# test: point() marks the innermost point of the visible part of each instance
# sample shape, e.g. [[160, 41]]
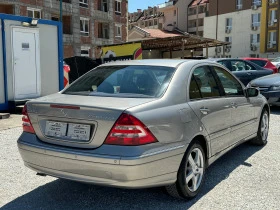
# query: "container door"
[[26, 63]]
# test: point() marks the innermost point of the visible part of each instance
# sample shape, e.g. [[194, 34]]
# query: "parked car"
[[245, 71], [143, 123], [269, 86], [263, 62], [276, 62]]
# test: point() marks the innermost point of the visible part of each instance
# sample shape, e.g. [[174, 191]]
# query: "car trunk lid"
[[77, 121]]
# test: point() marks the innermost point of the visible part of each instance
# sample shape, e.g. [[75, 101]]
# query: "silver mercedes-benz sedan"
[[144, 123]]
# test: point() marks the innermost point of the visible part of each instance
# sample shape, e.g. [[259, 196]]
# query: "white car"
[[276, 62]]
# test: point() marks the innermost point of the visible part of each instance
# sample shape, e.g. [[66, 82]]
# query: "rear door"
[[211, 108], [242, 110]]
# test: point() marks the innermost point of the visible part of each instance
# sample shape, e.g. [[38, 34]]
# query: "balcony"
[[101, 41], [103, 16]]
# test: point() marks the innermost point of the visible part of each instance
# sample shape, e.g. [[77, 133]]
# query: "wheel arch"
[[205, 145]]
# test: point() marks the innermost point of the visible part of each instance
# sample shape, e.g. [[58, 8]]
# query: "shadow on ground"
[[62, 194], [275, 110]]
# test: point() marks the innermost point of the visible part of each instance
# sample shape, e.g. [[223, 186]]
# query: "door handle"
[[204, 110], [234, 105]]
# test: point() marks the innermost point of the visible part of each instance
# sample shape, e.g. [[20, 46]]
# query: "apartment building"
[[237, 22], [197, 10], [166, 16], [269, 44], [86, 23]]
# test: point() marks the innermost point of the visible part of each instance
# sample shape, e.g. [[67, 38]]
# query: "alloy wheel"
[[195, 169], [264, 126]]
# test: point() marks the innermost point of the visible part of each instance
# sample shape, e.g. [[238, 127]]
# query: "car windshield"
[[276, 60], [259, 62], [123, 81]]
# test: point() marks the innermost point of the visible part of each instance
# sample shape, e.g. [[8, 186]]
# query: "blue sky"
[[133, 5]]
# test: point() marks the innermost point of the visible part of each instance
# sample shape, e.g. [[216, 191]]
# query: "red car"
[[263, 62]]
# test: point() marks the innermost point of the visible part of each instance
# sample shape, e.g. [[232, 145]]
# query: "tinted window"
[[123, 81], [206, 83], [238, 65], [194, 89], [231, 86], [259, 62]]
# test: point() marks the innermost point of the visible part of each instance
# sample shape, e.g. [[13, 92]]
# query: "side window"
[[231, 86], [203, 84], [226, 64], [241, 66]]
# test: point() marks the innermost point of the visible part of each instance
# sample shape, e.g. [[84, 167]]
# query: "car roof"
[[222, 59], [154, 62], [262, 59]]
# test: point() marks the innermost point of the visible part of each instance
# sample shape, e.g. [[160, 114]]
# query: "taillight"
[[128, 130], [26, 124]]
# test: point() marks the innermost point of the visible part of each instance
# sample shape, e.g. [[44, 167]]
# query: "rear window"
[[259, 62], [123, 81]]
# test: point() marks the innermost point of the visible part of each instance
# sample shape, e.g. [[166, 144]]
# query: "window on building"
[[150, 23], [239, 4], [175, 12], [83, 3], [7, 9], [228, 39], [102, 5], [103, 31], [33, 13], [85, 51], [155, 22], [118, 7], [118, 31], [272, 17], [229, 24], [192, 11], [256, 20], [84, 26], [66, 1], [255, 38], [271, 39], [254, 55], [257, 2]]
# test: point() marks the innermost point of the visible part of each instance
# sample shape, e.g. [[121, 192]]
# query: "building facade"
[[86, 23], [166, 16], [197, 10], [270, 38], [237, 22]]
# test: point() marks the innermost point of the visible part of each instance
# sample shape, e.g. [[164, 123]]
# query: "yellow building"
[[270, 39]]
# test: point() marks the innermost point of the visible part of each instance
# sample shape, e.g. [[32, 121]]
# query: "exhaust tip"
[[41, 174]]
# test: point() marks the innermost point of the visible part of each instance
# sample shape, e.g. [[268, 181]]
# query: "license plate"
[[68, 130], [56, 129], [78, 131]]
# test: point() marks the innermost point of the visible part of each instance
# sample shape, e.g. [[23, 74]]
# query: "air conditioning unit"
[[275, 21], [271, 23], [272, 1], [218, 49], [254, 7], [228, 47], [254, 28], [227, 50], [228, 31], [253, 47]]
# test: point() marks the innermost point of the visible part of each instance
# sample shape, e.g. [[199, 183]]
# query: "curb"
[[4, 115]]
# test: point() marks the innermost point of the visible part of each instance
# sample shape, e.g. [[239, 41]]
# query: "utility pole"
[[217, 9], [60, 18]]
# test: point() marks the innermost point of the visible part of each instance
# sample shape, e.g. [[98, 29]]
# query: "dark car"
[[269, 87], [245, 71]]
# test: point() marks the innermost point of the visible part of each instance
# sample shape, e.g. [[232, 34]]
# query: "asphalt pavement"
[[247, 177]]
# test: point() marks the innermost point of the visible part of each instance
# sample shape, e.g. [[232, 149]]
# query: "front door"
[[26, 63]]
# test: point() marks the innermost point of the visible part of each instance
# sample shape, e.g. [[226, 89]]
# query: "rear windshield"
[[259, 62], [123, 81]]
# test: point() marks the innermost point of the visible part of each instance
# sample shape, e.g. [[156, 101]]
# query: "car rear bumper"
[[147, 170]]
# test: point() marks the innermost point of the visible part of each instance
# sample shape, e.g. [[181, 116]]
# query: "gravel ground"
[[246, 178]]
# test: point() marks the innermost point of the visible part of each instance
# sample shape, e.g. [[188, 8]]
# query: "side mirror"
[[252, 92]]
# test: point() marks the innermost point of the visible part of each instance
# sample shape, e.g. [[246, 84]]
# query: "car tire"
[[262, 134], [190, 176]]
